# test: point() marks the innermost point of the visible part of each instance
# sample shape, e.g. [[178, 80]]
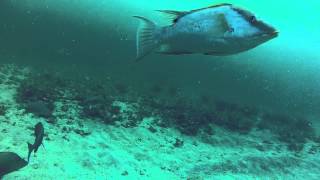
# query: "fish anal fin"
[[215, 53], [175, 52]]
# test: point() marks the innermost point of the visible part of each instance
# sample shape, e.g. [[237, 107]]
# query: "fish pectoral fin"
[[222, 24], [174, 16]]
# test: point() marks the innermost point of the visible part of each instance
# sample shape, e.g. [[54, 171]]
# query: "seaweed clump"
[[182, 114], [3, 109], [191, 117], [293, 131], [38, 92], [235, 118], [96, 102]]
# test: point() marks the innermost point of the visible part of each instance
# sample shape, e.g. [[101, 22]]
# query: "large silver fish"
[[216, 30]]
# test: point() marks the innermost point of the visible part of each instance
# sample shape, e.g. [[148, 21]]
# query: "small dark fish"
[[39, 133], [10, 162]]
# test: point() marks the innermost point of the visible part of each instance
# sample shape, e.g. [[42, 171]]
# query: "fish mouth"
[[272, 34]]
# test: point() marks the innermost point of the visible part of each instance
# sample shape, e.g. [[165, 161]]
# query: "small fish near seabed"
[[10, 162], [39, 134], [217, 30]]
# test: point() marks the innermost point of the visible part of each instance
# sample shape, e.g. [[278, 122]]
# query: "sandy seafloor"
[[115, 152]]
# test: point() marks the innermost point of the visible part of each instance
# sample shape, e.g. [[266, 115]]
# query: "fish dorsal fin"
[[176, 15], [212, 6], [173, 15]]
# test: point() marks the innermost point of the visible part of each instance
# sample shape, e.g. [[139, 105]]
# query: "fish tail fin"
[[146, 40], [30, 148]]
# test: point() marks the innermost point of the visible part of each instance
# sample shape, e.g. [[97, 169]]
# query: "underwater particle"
[[178, 143], [51, 120], [152, 129], [161, 123], [39, 134], [82, 132], [125, 173], [35, 166], [142, 172], [87, 163], [217, 30], [10, 162]]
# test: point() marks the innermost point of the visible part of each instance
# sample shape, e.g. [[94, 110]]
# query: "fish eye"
[[253, 19]]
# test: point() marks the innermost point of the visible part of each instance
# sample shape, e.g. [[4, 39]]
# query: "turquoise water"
[[95, 40], [282, 73]]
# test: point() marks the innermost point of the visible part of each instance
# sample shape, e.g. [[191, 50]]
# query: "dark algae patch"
[[38, 93], [234, 117], [2, 109], [291, 130]]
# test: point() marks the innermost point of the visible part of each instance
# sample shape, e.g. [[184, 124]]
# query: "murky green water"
[[98, 37], [95, 40]]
